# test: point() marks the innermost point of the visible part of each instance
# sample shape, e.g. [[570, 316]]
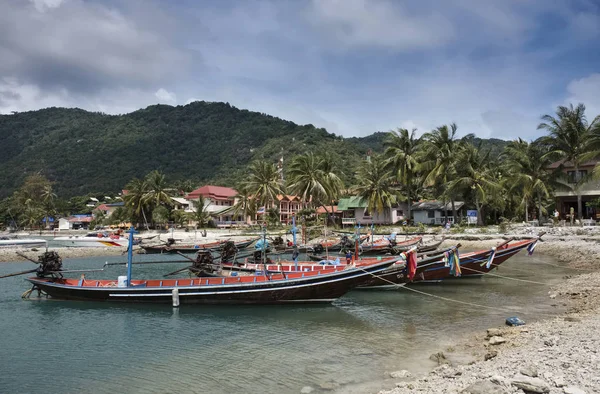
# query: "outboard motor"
[[228, 251], [203, 264], [50, 264]]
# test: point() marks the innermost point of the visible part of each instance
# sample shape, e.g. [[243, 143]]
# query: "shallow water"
[[50, 346]]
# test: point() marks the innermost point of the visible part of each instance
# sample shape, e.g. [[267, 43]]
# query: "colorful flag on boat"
[[454, 262], [261, 211], [411, 263], [490, 259], [531, 247]]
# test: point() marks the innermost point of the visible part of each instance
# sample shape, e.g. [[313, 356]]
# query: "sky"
[[354, 67]]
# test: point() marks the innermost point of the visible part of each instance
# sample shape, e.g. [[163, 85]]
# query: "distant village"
[[220, 203]]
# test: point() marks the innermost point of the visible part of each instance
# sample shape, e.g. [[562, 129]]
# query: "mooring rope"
[[505, 277], [561, 266], [496, 308]]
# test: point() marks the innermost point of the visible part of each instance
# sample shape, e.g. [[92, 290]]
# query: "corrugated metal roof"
[[346, 204], [435, 205]]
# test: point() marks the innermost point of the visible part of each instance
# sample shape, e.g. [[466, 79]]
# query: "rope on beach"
[[506, 277]]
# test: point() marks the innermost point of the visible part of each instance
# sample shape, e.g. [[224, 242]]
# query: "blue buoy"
[[514, 321]]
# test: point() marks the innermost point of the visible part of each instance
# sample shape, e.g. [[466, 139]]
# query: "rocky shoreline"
[[557, 355]]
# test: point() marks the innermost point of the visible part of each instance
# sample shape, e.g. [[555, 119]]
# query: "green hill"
[[85, 152]]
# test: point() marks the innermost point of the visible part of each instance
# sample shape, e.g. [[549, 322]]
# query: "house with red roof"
[[219, 202]]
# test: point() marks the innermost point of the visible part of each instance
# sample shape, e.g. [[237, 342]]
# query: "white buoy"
[[175, 294]]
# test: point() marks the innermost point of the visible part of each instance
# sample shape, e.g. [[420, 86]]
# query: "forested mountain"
[[85, 152]]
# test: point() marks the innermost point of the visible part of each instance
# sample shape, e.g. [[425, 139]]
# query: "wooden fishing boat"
[[392, 277], [193, 248], [381, 247], [475, 263], [299, 287], [429, 247]]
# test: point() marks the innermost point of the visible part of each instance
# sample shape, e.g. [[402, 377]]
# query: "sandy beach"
[[556, 355]]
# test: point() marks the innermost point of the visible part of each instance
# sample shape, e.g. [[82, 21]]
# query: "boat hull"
[[90, 242], [471, 263], [314, 288], [161, 249], [22, 243]]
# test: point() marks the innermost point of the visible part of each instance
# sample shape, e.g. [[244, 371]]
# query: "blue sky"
[[352, 66]]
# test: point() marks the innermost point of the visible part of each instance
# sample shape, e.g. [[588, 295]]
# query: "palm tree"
[[48, 197], [375, 185], [32, 215], [527, 166], [475, 174], [157, 193], [314, 179], [402, 149], [572, 140], [264, 182], [246, 204], [135, 199], [439, 158], [202, 216]]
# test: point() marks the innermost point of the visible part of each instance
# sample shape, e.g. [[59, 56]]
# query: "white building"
[[354, 211], [434, 212]]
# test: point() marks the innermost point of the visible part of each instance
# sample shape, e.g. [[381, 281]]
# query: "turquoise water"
[[51, 346]]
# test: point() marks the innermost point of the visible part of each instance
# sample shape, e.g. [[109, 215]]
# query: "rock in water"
[[497, 340], [573, 390], [400, 374], [484, 387], [529, 384], [306, 390], [440, 358]]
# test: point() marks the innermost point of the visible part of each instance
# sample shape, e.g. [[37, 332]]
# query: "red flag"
[[411, 262]]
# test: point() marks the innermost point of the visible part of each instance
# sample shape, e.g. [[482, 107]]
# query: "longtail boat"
[[476, 263], [420, 249], [429, 247], [170, 247], [383, 246], [299, 287], [394, 276]]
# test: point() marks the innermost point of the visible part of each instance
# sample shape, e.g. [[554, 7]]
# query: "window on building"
[[431, 214], [575, 176], [367, 213]]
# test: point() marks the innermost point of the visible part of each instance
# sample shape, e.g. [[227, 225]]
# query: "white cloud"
[[165, 96], [43, 5], [380, 23], [587, 91], [82, 45]]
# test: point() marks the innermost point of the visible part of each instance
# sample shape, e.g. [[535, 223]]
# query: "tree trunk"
[[579, 207], [453, 211], [409, 208], [540, 209], [479, 217], [526, 211], [445, 212]]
